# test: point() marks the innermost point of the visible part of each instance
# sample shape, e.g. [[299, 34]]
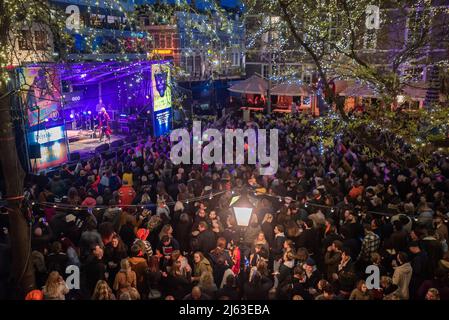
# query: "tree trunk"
[[22, 275]]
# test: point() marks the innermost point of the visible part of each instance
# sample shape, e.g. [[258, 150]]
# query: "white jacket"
[[401, 277]]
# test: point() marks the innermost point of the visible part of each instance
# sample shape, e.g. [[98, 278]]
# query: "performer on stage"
[[103, 124]]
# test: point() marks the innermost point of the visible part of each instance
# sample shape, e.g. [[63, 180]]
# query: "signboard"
[[162, 99], [53, 147], [41, 93]]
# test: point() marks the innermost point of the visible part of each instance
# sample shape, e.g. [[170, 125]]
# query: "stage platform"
[[83, 142]]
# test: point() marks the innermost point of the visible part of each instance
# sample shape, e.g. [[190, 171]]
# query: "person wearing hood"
[[402, 275]]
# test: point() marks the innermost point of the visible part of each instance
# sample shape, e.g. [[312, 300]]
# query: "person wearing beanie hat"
[[312, 274]]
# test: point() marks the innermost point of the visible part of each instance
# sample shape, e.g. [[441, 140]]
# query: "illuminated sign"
[[46, 135], [160, 78], [162, 99], [162, 51], [53, 147]]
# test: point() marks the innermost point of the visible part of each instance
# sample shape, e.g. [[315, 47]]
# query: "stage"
[[83, 141]]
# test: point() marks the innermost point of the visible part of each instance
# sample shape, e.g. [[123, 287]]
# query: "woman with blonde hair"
[[262, 241], [200, 265], [103, 291], [126, 280], [55, 288], [167, 230], [267, 228], [207, 284]]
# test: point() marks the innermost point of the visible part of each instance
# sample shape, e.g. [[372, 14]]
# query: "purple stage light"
[[46, 119], [84, 112], [72, 116], [89, 112]]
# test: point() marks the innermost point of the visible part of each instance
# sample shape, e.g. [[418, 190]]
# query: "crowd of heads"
[[140, 227]]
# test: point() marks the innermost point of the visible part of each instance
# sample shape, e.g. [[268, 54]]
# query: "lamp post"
[[242, 209]]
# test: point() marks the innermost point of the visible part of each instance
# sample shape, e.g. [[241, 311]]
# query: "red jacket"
[[126, 195]]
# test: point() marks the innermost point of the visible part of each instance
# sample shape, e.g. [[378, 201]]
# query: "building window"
[[370, 39], [168, 40], [415, 26], [162, 41], [307, 78], [235, 59], [265, 71], [41, 40], [25, 40], [333, 27], [156, 40]]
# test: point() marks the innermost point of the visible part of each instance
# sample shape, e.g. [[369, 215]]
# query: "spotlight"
[[46, 120], [72, 116], [89, 112]]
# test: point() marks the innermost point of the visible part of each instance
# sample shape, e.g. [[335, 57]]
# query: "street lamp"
[[242, 208]]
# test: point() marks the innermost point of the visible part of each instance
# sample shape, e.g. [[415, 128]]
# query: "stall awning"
[[291, 89], [359, 90], [416, 91], [252, 85]]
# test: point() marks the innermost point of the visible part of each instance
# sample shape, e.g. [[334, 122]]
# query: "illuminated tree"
[[16, 48], [336, 36]]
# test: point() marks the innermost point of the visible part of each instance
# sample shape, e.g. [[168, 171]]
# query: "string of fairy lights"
[[281, 199]]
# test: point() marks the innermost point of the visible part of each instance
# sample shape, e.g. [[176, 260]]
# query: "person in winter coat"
[[126, 280], [140, 266], [402, 275], [114, 252], [206, 238], [57, 260], [201, 264], [251, 232], [361, 292], [267, 228], [332, 258]]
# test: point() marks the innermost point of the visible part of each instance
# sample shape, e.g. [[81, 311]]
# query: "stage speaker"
[[34, 151], [102, 148], [117, 144], [75, 156]]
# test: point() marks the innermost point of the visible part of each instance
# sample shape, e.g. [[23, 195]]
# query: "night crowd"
[[140, 227]]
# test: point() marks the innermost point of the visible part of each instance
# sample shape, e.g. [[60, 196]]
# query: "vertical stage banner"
[[162, 98], [40, 88], [41, 93]]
